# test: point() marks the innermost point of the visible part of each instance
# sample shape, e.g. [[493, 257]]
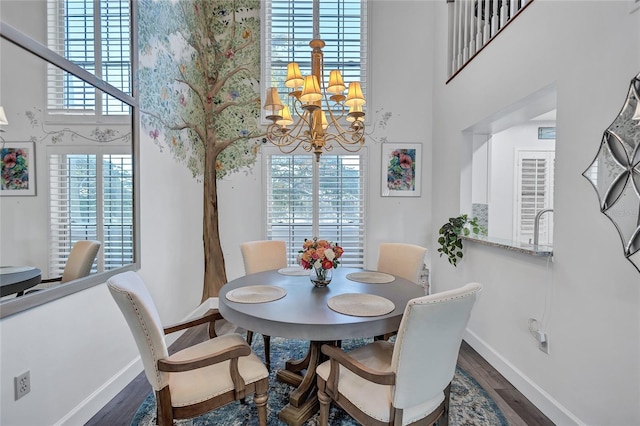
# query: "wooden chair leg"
[[260, 399], [444, 420], [325, 403], [267, 351], [249, 337], [164, 410]]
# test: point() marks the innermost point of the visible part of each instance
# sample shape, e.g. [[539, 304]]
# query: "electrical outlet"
[[543, 342], [22, 384]]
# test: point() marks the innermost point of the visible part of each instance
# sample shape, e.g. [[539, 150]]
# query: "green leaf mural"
[[199, 70]]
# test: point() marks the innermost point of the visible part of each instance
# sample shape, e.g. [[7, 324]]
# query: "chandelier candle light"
[[313, 130]]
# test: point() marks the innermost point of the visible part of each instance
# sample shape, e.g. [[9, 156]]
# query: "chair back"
[[263, 255], [428, 342], [136, 304], [81, 258], [403, 260]]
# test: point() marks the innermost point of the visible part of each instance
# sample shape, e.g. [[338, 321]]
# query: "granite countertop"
[[520, 247]]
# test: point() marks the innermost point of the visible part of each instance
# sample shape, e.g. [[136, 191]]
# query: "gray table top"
[[15, 279], [303, 313]]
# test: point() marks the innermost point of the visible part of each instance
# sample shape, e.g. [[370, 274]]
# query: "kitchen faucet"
[[536, 225]]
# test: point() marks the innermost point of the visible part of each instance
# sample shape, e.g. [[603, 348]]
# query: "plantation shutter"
[[307, 199], [289, 29], [535, 192], [81, 185], [99, 43], [117, 200]]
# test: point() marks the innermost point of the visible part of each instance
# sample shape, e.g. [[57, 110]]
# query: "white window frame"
[[294, 242], [60, 244], [304, 52], [56, 110], [546, 221]]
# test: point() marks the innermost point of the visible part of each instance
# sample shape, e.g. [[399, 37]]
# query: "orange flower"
[[319, 254]]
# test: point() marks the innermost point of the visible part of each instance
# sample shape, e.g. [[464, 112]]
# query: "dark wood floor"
[[516, 408]]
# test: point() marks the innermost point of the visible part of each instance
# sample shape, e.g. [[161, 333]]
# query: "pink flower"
[[405, 161], [10, 160], [319, 254], [230, 54]]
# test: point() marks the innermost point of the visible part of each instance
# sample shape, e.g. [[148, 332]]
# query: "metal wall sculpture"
[[615, 173]]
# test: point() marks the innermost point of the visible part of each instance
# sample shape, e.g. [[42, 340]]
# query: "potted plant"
[[451, 233]]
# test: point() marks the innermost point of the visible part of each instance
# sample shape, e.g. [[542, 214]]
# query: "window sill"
[[524, 248]]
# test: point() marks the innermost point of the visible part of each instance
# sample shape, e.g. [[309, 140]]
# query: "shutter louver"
[[326, 200], [534, 194], [343, 26], [81, 185], [99, 43]]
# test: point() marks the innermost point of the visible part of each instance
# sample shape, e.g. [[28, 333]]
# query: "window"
[[306, 198], [289, 29], [91, 197], [95, 35], [535, 192]]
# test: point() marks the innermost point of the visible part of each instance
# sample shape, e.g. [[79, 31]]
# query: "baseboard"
[[93, 403], [538, 397]]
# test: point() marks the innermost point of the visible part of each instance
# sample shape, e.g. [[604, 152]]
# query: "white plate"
[[361, 304], [256, 294], [294, 270], [371, 277]]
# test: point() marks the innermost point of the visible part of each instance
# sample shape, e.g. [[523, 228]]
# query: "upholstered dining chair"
[[198, 378], [384, 383], [403, 260], [81, 258], [259, 256]]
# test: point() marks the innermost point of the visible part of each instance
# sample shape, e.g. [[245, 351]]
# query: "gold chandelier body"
[[313, 130]]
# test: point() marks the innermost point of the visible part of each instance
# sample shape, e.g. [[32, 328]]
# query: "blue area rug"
[[470, 404]]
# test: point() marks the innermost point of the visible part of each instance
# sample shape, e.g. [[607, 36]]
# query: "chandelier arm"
[[282, 138], [348, 146]]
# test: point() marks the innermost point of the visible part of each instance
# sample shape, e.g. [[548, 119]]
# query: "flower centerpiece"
[[320, 256]]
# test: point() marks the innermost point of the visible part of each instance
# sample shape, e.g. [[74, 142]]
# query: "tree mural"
[[199, 93]]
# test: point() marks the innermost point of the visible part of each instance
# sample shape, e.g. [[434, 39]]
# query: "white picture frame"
[[401, 170], [18, 169]]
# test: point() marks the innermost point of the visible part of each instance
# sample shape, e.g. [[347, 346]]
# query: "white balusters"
[[473, 23]]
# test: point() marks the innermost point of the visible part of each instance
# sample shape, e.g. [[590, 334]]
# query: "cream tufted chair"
[[383, 383], [403, 260], [81, 258], [259, 256], [199, 378]]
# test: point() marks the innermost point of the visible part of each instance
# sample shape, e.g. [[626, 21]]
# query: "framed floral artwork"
[[401, 169], [18, 175]]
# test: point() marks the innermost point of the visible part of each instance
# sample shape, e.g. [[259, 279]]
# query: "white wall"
[[588, 297], [79, 349]]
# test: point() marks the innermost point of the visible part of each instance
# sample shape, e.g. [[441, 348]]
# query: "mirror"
[[615, 173], [81, 169]]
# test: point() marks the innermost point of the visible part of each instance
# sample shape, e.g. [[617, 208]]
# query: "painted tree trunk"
[[214, 270]]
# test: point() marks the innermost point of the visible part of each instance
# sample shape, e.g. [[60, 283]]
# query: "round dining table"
[[17, 279], [284, 303]]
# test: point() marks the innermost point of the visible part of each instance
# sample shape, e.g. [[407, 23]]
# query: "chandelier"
[[318, 124]]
